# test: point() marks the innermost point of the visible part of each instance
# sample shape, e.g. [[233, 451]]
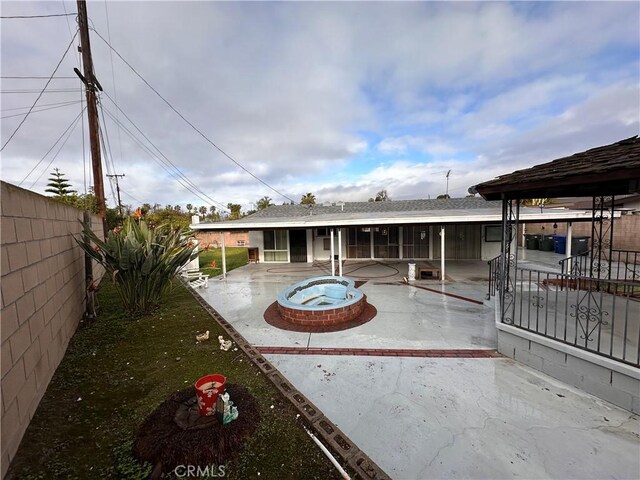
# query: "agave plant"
[[142, 261]]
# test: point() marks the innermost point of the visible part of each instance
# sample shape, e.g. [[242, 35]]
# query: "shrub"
[[142, 261]]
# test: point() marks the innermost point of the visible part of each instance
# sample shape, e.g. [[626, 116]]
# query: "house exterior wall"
[[43, 300], [256, 239]]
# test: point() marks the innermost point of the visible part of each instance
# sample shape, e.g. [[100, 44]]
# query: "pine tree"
[[58, 185]]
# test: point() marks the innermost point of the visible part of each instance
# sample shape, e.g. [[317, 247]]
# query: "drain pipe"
[[328, 454]]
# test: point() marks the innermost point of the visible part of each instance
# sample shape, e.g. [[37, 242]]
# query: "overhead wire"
[[75, 102], [27, 106], [75, 120], [180, 173], [113, 75], [40, 95], [189, 123], [158, 160], [39, 16], [57, 153]]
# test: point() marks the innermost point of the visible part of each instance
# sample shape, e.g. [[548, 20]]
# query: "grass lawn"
[[236, 257], [117, 370]]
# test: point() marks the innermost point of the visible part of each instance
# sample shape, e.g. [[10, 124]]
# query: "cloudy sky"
[[338, 99]]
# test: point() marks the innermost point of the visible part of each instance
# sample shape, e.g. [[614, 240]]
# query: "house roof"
[[608, 170], [396, 212]]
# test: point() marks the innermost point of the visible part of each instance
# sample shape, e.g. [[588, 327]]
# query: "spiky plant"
[[142, 261]]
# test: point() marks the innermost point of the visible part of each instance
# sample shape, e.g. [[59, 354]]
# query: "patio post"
[[442, 274], [333, 258], [340, 251], [568, 248], [224, 256]]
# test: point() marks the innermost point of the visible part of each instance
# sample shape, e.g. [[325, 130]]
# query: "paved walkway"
[[419, 418]]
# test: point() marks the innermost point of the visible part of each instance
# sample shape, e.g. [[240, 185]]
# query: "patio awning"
[[608, 170]]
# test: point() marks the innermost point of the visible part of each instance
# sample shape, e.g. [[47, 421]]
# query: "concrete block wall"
[[43, 295], [618, 384], [625, 231]]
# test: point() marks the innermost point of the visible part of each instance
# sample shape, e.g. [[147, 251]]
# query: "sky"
[[339, 99]]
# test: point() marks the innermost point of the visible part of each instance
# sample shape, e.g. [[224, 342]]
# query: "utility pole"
[[117, 190], [92, 111]]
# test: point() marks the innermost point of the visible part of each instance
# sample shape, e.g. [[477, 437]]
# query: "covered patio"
[[579, 322]]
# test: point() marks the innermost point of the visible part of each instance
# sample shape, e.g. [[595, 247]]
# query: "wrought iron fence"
[[494, 276], [598, 315], [625, 265], [575, 265]]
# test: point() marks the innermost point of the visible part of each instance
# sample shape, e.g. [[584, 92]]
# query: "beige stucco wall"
[[43, 293]]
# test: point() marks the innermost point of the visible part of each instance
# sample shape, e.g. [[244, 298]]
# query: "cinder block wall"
[[590, 374], [43, 296], [625, 231]]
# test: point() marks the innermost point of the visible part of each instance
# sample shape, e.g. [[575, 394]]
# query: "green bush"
[[142, 261]]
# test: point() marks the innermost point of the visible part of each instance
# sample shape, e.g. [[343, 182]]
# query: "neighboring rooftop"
[[607, 170], [392, 212], [282, 211]]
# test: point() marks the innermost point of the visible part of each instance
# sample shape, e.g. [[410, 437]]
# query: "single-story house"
[[438, 229]]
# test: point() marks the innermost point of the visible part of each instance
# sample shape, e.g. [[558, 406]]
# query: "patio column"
[[333, 258], [224, 256], [442, 253], [568, 248], [340, 251]]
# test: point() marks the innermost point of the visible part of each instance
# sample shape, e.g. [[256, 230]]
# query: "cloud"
[[340, 99]]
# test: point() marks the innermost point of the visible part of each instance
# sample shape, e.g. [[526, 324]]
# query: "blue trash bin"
[[560, 244]]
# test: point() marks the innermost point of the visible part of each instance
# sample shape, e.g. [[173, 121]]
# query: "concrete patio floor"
[[422, 418]]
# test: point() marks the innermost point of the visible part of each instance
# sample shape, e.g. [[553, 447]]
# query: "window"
[[240, 243], [322, 232], [493, 233], [276, 243], [326, 244], [415, 241]]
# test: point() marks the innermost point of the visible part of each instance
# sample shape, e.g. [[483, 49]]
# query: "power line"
[[35, 77], [193, 185], [43, 89], [160, 162], [75, 120], [41, 105], [40, 16], [58, 152], [75, 102], [189, 123], [35, 90], [113, 75]]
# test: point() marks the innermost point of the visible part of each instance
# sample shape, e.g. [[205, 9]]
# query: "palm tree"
[[308, 199], [263, 203], [189, 208]]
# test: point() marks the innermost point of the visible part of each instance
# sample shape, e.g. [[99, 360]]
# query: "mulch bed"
[[273, 318], [202, 441]]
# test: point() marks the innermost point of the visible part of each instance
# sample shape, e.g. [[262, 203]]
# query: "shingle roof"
[[401, 206], [613, 168]]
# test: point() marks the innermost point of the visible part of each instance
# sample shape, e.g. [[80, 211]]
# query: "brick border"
[[375, 352], [459, 297], [335, 438]]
